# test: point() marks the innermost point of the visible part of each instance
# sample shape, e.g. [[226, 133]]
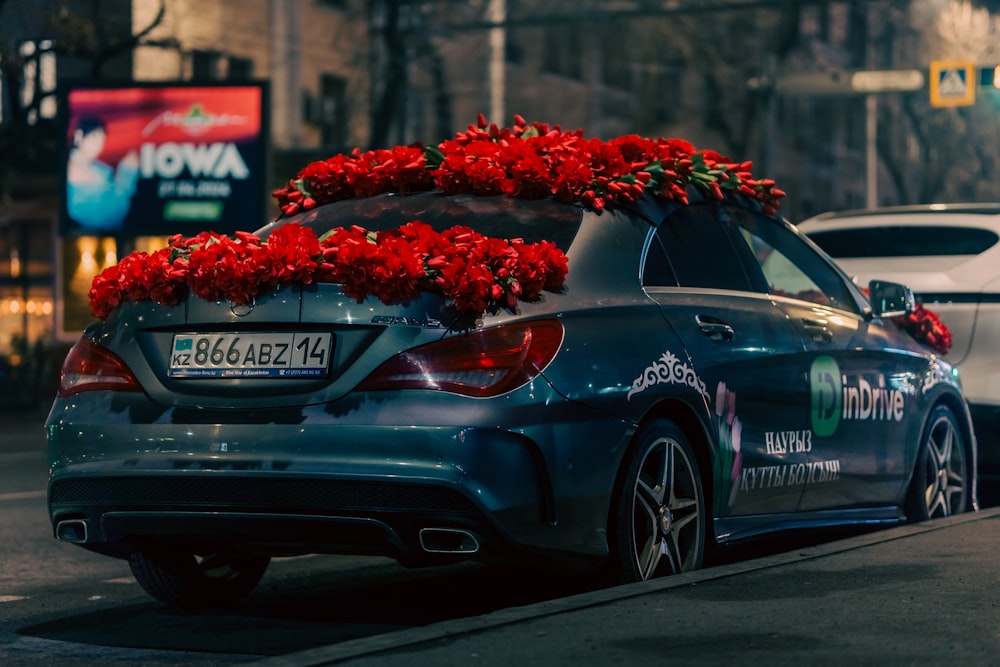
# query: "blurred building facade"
[[369, 73], [313, 55]]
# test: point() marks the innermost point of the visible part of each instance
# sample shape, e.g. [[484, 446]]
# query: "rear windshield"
[[904, 241], [497, 216]]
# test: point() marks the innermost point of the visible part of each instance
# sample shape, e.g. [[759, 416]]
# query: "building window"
[[39, 82], [333, 110], [564, 51], [657, 90], [240, 69], [206, 65], [513, 51]]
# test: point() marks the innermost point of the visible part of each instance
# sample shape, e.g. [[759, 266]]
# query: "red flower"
[[925, 327], [529, 161], [222, 268], [289, 256], [105, 294], [540, 266]]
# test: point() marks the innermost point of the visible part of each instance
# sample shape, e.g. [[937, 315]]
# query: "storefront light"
[[87, 245], [110, 250], [36, 307]]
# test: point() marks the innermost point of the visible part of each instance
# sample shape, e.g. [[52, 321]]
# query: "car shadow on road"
[[298, 614], [294, 612]]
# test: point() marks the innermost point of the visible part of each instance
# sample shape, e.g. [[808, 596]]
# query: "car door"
[[744, 351], [860, 383]]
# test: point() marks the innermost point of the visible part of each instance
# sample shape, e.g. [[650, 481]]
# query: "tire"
[[658, 521], [187, 580], [940, 485]]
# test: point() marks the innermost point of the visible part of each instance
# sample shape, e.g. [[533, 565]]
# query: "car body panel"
[[531, 472], [751, 382], [963, 289]]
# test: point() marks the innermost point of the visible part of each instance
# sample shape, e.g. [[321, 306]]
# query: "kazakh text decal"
[[794, 474]]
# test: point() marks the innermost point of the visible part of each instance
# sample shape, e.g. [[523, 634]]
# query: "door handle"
[[715, 329], [817, 330]]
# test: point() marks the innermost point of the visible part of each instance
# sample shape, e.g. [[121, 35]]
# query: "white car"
[[949, 255]]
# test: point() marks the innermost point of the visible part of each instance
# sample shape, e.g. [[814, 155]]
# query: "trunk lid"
[[299, 345]]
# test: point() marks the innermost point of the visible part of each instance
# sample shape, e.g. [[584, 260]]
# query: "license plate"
[[250, 355]]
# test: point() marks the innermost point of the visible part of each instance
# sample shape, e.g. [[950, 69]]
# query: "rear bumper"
[[324, 483], [269, 516]]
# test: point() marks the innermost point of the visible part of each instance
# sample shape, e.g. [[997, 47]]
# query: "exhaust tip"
[[72, 530], [448, 541]]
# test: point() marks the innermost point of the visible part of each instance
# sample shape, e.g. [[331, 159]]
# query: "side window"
[[701, 251], [656, 271], [790, 266]]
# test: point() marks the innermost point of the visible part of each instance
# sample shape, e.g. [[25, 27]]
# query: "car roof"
[[962, 214]]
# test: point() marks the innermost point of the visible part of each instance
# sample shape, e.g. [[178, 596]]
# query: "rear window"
[[498, 216], [904, 241]]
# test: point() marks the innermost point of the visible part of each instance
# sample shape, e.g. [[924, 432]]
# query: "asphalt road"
[[919, 594], [925, 594]]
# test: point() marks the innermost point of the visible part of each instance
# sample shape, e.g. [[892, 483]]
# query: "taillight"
[[481, 364], [90, 367]]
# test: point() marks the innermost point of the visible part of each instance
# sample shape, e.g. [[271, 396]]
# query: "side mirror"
[[890, 299]]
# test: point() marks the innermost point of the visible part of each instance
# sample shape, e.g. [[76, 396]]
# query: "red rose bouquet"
[[478, 273]]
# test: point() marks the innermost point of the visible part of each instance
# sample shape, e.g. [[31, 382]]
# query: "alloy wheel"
[[666, 511], [945, 470]]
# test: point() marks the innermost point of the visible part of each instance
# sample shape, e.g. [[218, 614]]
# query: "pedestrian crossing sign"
[[953, 83]]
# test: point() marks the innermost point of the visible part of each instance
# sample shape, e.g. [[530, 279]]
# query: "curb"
[[356, 648]]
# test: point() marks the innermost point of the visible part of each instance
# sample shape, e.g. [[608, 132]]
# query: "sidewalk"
[[923, 594], [22, 421]]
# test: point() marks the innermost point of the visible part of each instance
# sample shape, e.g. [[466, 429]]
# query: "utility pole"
[[497, 17]]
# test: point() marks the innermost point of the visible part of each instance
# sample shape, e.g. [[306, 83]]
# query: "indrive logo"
[[825, 390]]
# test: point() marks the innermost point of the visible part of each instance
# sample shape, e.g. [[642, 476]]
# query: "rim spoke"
[[646, 512], [935, 504], [645, 526], [946, 464], [649, 559], [681, 504], [667, 474], [947, 444], [664, 513], [672, 548], [685, 511], [647, 495], [934, 455], [681, 521], [950, 495], [933, 493]]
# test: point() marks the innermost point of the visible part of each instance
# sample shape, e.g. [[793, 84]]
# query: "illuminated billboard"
[[162, 159]]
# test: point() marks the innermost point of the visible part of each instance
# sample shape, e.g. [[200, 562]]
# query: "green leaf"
[[302, 186], [434, 157]]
